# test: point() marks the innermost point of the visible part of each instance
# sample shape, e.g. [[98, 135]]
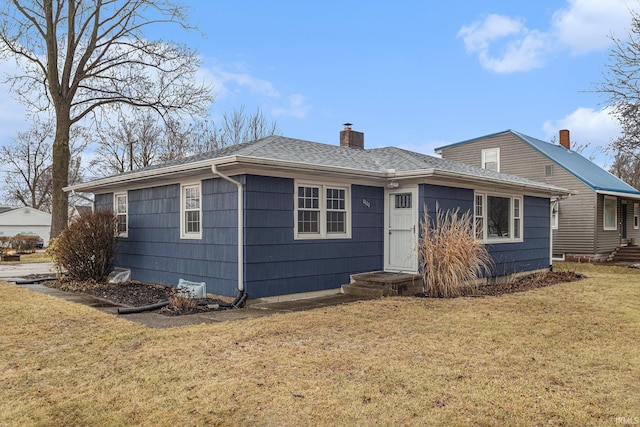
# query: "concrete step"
[[377, 284], [363, 291]]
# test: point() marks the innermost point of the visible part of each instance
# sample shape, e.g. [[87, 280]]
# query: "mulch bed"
[[525, 283], [137, 294]]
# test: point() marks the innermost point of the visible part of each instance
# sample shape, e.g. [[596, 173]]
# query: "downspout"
[[241, 293]]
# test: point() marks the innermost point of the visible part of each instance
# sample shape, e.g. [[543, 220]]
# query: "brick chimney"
[[564, 139], [351, 138]]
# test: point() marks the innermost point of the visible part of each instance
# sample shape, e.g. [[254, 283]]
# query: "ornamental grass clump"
[[451, 258]]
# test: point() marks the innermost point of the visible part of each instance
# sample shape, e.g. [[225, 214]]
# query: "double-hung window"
[[636, 216], [322, 211], [498, 218], [491, 159], [121, 208], [555, 209], [610, 214], [191, 215]]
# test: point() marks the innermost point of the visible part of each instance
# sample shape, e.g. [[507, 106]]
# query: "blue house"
[[281, 216]]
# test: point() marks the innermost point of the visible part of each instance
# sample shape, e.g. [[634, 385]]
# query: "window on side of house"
[[322, 211], [498, 218], [121, 209], [191, 215], [491, 159], [555, 208], [610, 213], [479, 217], [636, 216]]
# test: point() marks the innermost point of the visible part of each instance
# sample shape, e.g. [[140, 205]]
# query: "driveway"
[[15, 271]]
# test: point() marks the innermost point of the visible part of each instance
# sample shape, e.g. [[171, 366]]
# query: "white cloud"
[[595, 128], [505, 45], [586, 25], [233, 87], [522, 48], [226, 82], [295, 107]]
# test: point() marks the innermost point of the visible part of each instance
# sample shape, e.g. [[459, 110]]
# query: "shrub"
[[87, 247], [24, 243], [451, 258], [4, 244]]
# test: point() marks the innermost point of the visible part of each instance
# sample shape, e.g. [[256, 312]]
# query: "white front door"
[[401, 234]]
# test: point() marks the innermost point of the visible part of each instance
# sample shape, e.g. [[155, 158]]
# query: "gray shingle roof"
[[377, 160]]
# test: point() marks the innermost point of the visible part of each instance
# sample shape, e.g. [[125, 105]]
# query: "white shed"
[[24, 220]]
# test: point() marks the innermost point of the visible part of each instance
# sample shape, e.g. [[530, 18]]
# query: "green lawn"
[[562, 355]]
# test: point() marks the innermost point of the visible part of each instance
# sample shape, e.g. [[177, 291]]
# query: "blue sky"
[[413, 74]]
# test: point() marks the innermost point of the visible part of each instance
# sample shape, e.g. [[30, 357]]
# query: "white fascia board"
[[619, 194], [225, 162], [542, 189]]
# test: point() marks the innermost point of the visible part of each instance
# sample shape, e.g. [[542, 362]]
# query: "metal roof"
[[381, 163], [585, 170]]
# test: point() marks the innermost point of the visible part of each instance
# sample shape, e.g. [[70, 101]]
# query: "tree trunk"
[[60, 173]]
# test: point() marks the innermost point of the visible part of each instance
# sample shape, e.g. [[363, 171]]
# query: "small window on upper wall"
[[491, 159], [121, 209], [548, 170]]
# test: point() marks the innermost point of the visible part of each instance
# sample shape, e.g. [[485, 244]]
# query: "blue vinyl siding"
[[103, 202], [445, 197], [155, 252], [534, 252], [277, 264], [531, 254]]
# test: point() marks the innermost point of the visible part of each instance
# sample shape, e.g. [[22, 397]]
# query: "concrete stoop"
[[383, 284]]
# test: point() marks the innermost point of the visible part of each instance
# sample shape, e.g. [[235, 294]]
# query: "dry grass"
[[561, 355], [38, 256], [451, 257]]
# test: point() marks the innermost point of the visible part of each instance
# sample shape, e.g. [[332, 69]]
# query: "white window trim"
[[484, 157], [115, 210], [497, 240], [322, 234], [636, 216], [555, 214], [604, 213], [183, 233]]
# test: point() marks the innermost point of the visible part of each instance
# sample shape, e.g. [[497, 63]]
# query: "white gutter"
[[215, 170], [619, 194]]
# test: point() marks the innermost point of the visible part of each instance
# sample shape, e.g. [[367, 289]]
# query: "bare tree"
[[238, 127], [626, 166], [621, 86], [84, 56], [132, 143], [139, 140], [27, 160]]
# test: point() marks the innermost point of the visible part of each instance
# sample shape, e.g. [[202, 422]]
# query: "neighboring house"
[[24, 220], [602, 213], [79, 210], [280, 216]]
